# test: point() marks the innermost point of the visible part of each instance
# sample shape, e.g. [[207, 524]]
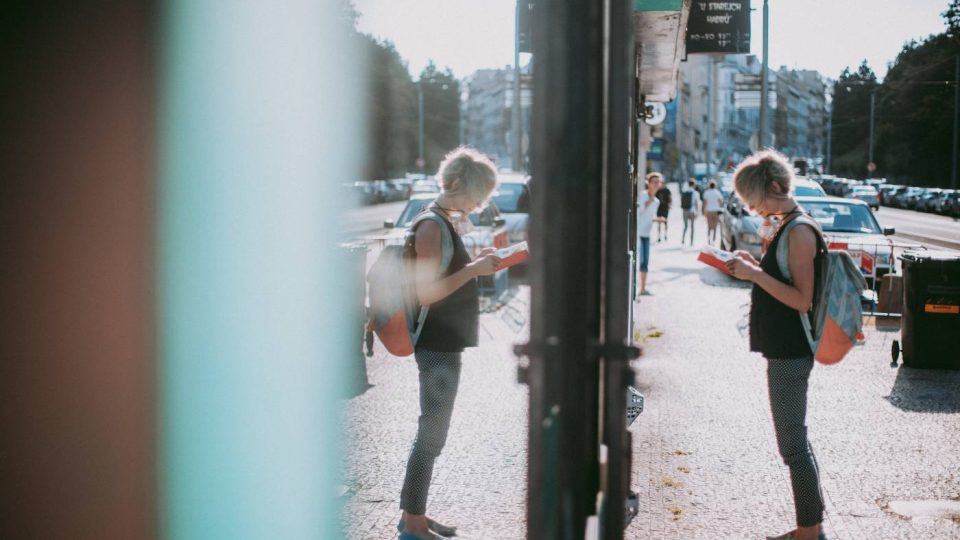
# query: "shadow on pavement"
[[926, 390], [716, 278]]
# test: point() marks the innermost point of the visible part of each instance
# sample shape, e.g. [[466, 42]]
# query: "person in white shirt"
[[647, 204], [690, 204], [712, 206]]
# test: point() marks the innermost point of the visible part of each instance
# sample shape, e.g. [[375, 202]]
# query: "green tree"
[[851, 120], [915, 112], [441, 114], [391, 112], [952, 17]]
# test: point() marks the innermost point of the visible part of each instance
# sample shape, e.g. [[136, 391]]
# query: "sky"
[[824, 35]]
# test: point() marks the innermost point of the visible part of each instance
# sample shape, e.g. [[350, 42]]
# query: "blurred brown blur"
[[77, 360]]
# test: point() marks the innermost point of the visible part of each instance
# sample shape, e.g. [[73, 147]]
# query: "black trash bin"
[[930, 331], [356, 284]]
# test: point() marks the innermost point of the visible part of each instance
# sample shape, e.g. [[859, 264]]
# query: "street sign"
[[871, 167], [719, 27]]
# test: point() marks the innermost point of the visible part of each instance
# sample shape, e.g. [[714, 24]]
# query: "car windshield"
[[865, 189], [415, 206], [809, 191], [840, 217], [511, 198]]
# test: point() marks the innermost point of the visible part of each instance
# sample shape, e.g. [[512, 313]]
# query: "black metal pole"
[[873, 99], [619, 75], [566, 168], [956, 121]]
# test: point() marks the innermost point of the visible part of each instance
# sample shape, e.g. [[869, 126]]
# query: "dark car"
[[928, 201], [950, 206]]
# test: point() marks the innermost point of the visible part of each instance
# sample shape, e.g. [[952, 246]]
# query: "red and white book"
[[716, 258], [512, 255]]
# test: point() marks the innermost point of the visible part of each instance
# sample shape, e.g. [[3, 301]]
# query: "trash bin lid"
[[923, 255]]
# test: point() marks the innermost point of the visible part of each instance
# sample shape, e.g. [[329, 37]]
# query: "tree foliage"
[[392, 108], [441, 114], [914, 108], [851, 120], [915, 121]]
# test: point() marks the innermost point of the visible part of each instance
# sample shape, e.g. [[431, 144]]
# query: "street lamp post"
[[762, 135], [420, 161], [956, 117], [515, 113], [873, 100]]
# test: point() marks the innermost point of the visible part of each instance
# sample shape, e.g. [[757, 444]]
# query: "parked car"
[[928, 201], [907, 198], [938, 203], [739, 228], [804, 187], [400, 189], [887, 192], [849, 224], [366, 191], [951, 204], [848, 187], [426, 185], [489, 226], [867, 194], [512, 198]]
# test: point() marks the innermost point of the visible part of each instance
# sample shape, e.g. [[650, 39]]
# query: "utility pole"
[[873, 99], [956, 119], [709, 158], [515, 127], [762, 135], [826, 169], [420, 161]]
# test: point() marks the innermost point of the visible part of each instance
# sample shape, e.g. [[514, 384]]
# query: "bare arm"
[[799, 296], [430, 288]]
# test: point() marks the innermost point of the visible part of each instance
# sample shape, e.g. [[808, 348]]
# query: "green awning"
[[657, 5]]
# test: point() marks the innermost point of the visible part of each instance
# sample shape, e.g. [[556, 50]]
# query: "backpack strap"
[[783, 259], [446, 255]]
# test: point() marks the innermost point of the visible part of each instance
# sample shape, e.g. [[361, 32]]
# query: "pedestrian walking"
[[467, 179], [712, 206], [663, 211], [647, 205], [690, 205], [763, 182]]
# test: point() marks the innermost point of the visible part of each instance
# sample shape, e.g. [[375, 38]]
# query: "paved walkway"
[[705, 461]]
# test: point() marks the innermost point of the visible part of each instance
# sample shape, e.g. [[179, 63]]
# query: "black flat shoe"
[[439, 528]]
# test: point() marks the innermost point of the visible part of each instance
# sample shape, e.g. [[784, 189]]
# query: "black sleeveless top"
[[775, 328], [452, 323]]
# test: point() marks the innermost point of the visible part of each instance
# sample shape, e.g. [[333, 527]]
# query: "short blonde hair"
[[651, 176], [477, 175], [757, 175]]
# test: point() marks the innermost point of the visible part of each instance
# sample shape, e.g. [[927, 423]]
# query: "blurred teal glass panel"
[[253, 342]]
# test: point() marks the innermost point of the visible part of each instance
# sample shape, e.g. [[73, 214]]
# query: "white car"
[[803, 187], [489, 229], [849, 225], [512, 198], [867, 194]]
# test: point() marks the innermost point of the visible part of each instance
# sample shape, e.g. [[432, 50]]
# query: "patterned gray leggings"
[[439, 381], [787, 382]]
